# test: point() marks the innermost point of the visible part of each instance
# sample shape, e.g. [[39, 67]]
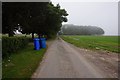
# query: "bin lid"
[[36, 39], [42, 38]]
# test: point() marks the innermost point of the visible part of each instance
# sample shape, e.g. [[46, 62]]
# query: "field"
[[108, 43]]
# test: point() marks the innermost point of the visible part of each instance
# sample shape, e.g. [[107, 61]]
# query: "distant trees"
[[32, 17], [70, 29]]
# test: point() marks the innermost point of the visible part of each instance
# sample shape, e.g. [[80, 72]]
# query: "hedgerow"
[[10, 45]]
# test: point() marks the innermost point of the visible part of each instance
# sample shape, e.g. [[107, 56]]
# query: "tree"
[[33, 18], [8, 18], [55, 17], [40, 18]]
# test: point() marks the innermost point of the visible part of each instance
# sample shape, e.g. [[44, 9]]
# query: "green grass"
[[109, 43], [23, 63]]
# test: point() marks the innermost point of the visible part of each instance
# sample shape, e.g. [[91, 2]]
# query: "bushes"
[[12, 44]]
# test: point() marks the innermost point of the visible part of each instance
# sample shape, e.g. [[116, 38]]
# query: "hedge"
[[11, 45]]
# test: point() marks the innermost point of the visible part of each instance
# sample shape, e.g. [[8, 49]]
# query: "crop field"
[[108, 43]]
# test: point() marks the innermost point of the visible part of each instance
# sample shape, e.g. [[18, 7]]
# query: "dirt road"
[[63, 60]]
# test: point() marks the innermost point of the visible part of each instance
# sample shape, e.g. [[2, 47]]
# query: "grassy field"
[[109, 43], [23, 63]]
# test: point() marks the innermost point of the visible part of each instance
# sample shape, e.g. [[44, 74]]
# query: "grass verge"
[[22, 64], [108, 43]]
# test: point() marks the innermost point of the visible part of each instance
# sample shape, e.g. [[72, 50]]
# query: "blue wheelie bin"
[[36, 44], [43, 42]]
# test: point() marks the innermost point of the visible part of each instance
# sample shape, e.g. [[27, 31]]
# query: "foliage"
[[109, 43], [81, 30], [39, 18], [55, 17], [22, 64], [11, 45]]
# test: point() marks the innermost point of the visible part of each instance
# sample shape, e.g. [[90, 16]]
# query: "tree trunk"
[[10, 34], [32, 35], [38, 35]]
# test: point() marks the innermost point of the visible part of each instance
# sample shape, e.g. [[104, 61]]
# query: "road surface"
[[63, 60]]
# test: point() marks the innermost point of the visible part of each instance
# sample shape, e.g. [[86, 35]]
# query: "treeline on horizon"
[[70, 29]]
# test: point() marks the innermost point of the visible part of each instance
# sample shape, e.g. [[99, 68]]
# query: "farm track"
[[63, 60]]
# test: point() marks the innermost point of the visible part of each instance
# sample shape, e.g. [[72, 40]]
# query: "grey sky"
[[102, 14]]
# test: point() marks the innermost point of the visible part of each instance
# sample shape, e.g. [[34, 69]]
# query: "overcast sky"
[[99, 13]]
